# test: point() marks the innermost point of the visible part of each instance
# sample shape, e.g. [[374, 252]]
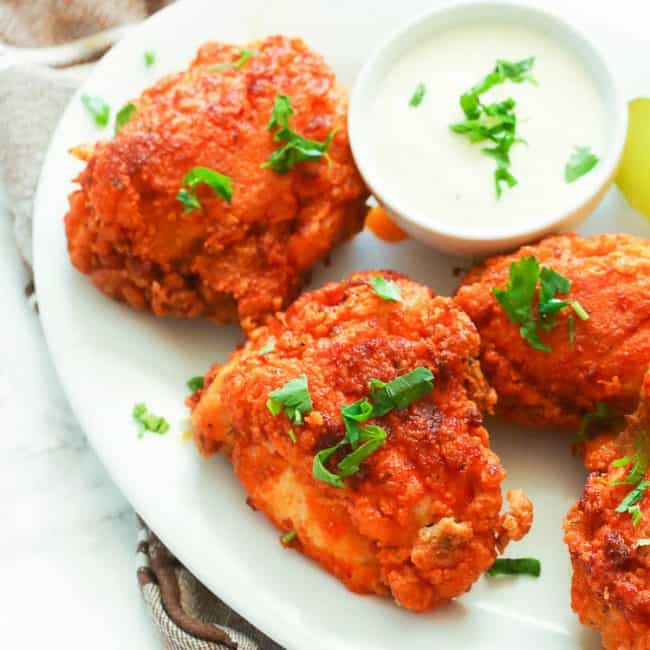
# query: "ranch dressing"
[[441, 175]]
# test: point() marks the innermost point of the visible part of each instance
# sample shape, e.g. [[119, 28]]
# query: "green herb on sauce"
[[581, 162], [497, 122]]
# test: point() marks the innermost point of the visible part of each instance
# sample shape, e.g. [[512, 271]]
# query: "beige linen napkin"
[[32, 98]]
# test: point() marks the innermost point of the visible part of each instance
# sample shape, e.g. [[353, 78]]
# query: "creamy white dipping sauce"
[[433, 172]]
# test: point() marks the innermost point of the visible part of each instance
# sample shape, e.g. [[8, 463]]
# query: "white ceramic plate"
[[109, 357]]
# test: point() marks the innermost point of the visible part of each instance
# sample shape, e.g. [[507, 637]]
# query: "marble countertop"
[[68, 540]]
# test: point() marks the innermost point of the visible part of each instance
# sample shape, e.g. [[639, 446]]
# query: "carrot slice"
[[381, 225]]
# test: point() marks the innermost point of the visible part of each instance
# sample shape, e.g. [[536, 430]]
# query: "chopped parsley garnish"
[[518, 297], [266, 348], [289, 537], [516, 566], [293, 399], [297, 148], [188, 199], [418, 95], [629, 503], [639, 461], [372, 438], [149, 57], [321, 473], [579, 310], [244, 56], [602, 412], [581, 162], [220, 185], [98, 109], [195, 383], [282, 111], [353, 414], [636, 514], [124, 116], [385, 289], [495, 122], [365, 440], [149, 421], [400, 392], [517, 72]]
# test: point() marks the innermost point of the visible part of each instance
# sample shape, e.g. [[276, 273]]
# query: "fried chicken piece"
[[610, 277], [611, 573], [420, 519], [226, 261]]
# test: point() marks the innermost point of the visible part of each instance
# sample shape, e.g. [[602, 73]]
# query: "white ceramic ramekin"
[[452, 238]]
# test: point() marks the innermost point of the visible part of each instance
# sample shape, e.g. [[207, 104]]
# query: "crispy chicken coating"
[[421, 518], [610, 276], [611, 572], [226, 261]]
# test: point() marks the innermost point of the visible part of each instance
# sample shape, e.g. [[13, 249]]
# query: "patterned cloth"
[[32, 97]]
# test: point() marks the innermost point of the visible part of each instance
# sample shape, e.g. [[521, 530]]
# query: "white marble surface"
[[68, 535]]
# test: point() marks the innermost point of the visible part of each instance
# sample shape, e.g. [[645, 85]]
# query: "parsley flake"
[[297, 148], [195, 383], [517, 300], [581, 162], [188, 199], [384, 397], [124, 115], [321, 473], [516, 566], [400, 392], [244, 57], [636, 514], [602, 412], [633, 497], [418, 95], [571, 321], [98, 109], [289, 537], [495, 122], [149, 57], [293, 399], [220, 185], [386, 289], [149, 421]]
